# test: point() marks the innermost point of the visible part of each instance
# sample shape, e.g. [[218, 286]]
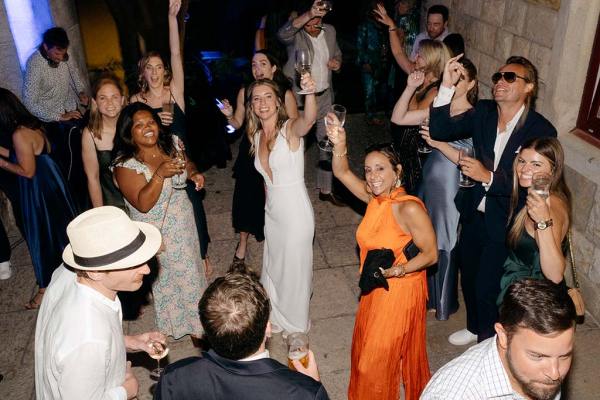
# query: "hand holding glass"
[[303, 66], [423, 147], [160, 351], [337, 119], [297, 349], [179, 181], [465, 152], [541, 184], [325, 5]]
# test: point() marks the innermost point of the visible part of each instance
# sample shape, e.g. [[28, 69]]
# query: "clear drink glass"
[[465, 181], [303, 63], [179, 181], [297, 349], [422, 146], [160, 352], [541, 184], [325, 5], [337, 119]]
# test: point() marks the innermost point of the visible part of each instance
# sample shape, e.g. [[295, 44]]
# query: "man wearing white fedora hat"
[[80, 349]]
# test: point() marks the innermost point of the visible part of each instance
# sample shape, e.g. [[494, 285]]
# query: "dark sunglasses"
[[508, 76]]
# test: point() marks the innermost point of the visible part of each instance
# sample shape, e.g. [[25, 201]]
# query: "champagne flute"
[[464, 152], [179, 181], [422, 146], [303, 66], [541, 184], [339, 112], [160, 352]]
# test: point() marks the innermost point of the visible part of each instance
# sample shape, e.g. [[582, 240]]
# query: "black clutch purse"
[[371, 277]]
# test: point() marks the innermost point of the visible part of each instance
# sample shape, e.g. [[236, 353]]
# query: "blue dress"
[[47, 208], [438, 189]]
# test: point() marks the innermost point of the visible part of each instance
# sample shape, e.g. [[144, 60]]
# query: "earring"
[[398, 181]]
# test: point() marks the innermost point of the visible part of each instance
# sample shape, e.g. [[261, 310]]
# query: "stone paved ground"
[[332, 307]]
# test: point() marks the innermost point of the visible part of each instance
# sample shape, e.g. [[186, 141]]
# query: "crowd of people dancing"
[[466, 187]]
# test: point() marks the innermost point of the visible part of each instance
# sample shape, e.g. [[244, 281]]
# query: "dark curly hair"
[[14, 114], [125, 148]]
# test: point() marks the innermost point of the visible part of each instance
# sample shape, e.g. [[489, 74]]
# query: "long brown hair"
[[142, 84], [95, 122], [552, 150], [253, 124]]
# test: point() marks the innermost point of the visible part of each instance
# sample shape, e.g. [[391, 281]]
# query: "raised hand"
[[335, 132], [307, 83], [227, 109], [317, 10], [382, 16], [453, 70], [174, 6], [537, 206], [415, 79]]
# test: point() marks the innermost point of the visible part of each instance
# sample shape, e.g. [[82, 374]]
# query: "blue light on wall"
[[28, 19]]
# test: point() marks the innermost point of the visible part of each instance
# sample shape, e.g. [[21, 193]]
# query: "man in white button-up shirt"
[[79, 342], [528, 358], [498, 128]]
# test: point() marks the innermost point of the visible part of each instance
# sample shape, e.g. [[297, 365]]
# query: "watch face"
[[542, 225]]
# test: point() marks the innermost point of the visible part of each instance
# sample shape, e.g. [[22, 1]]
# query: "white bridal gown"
[[289, 231]]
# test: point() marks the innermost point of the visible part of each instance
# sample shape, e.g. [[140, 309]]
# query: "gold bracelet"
[[340, 155], [157, 175], [401, 269]]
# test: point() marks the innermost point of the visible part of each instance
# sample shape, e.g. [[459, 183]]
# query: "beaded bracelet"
[[340, 155]]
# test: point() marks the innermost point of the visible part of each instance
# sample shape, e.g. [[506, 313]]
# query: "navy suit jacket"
[[212, 377], [481, 124]]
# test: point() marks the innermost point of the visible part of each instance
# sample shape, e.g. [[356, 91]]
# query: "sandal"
[[208, 269], [36, 300], [236, 259]]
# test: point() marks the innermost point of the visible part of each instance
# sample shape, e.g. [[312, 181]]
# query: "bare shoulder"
[[410, 208]]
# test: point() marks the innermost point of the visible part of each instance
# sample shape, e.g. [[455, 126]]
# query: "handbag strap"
[[572, 259]]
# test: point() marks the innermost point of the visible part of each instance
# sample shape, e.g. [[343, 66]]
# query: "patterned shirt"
[[50, 92], [475, 375]]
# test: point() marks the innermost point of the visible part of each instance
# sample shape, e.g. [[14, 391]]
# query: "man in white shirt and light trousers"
[[80, 349]]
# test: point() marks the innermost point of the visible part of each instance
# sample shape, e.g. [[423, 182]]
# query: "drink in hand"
[[159, 352], [297, 349], [301, 356], [541, 184]]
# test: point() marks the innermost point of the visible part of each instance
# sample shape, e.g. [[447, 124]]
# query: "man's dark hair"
[[234, 312], [455, 43], [56, 37], [439, 9], [537, 304]]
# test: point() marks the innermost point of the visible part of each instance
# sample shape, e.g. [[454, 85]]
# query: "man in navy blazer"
[[234, 312], [498, 128]]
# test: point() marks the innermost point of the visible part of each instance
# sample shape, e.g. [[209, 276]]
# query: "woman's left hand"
[[537, 207], [174, 6], [382, 16], [198, 179], [335, 132]]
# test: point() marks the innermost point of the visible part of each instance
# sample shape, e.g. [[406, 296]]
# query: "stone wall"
[[557, 36]]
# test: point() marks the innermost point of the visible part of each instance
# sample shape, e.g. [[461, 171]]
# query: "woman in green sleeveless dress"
[[97, 142], [540, 220]]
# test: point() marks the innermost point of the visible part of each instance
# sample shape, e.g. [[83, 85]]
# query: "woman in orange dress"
[[388, 344]]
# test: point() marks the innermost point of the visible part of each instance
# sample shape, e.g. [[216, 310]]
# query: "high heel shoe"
[[236, 259], [36, 300]]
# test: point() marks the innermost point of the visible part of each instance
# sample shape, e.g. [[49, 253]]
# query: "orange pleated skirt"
[[389, 340]]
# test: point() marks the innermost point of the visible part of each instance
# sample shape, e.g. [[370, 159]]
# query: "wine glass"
[[303, 66], [541, 184], [465, 181], [160, 352], [422, 146], [339, 112], [325, 5], [179, 181]]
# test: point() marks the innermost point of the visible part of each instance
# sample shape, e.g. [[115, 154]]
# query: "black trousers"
[[481, 263]]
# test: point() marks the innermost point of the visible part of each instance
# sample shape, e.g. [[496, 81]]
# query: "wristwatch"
[[543, 224]]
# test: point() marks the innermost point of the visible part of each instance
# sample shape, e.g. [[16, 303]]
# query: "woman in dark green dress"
[[541, 219], [98, 139]]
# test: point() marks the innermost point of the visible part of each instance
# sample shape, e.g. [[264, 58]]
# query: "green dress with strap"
[[523, 262]]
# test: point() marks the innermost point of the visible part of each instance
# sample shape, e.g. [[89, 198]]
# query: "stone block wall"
[[557, 36]]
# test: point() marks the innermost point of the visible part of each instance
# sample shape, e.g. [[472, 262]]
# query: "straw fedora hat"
[[104, 238]]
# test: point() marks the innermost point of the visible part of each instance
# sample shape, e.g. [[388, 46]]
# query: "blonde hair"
[[551, 149], [253, 124], [95, 122], [435, 55]]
